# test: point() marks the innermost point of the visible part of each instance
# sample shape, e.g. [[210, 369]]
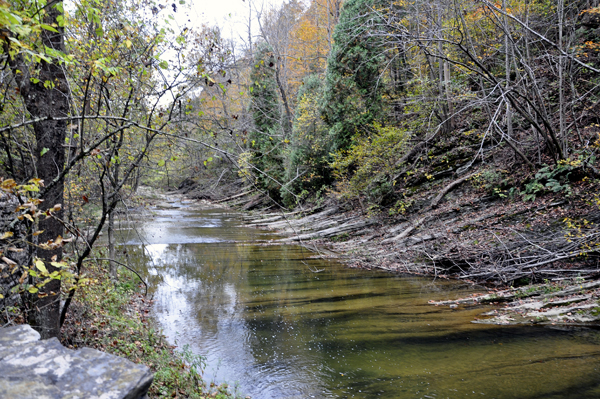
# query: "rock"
[[30, 368]]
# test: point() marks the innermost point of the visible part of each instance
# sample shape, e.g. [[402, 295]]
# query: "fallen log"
[[449, 187], [235, 196]]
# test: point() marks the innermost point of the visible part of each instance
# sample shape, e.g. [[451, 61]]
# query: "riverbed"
[[274, 321]]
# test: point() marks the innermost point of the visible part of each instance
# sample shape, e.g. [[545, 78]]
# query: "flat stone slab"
[[30, 368]]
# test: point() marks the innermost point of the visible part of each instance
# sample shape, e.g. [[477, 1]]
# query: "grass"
[[116, 318]]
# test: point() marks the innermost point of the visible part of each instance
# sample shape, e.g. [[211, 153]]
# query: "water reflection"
[[265, 320]]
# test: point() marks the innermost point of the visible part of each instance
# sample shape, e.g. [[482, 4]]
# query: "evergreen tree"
[[353, 93]]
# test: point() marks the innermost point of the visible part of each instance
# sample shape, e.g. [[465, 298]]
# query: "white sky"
[[230, 15]]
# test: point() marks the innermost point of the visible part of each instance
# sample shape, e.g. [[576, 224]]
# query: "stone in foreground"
[[30, 368]]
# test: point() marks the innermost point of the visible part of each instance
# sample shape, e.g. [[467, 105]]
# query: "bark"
[[49, 102], [111, 247]]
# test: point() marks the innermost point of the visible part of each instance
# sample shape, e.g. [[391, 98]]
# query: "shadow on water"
[[264, 320]]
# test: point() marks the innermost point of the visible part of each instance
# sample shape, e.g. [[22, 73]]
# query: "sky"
[[230, 15]]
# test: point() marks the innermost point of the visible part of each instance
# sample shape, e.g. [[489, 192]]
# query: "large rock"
[[30, 368]]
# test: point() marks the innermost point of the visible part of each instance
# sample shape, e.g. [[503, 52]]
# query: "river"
[[276, 322]]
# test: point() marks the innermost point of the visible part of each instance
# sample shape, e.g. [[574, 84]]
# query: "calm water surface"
[[278, 324]]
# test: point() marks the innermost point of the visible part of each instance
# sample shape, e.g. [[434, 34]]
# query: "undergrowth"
[[115, 318]]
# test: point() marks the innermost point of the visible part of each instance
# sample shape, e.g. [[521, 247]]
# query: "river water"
[[274, 322]]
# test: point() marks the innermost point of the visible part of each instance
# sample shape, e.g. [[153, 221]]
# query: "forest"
[[392, 109]]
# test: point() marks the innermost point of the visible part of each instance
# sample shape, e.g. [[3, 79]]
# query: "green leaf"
[[48, 27], [161, 162], [164, 64], [44, 150], [32, 289]]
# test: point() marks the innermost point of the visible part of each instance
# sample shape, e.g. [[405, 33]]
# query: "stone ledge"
[[30, 368]]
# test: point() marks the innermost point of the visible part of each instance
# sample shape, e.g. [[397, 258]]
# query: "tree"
[[353, 90], [106, 104], [307, 156], [45, 92], [267, 136]]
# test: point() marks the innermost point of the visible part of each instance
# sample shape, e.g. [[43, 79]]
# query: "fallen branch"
[[234, 196], [407, 231], [449, 187]]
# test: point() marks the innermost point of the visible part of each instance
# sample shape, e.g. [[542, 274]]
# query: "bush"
[[366, 168]]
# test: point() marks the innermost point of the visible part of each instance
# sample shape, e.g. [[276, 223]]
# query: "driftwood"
[[333, 231], [234, 196], [253, 202], [525, 292], [518, 254], [406, 231]]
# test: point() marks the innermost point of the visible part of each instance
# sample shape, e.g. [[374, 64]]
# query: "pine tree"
[[353, 93]]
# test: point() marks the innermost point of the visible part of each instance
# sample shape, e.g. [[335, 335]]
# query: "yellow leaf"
[[28, 216], [128, 43], [41, 267], [37, 233], [59, 264], [8, 184], [7, 235]]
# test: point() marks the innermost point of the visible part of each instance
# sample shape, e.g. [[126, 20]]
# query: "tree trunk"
[[47, 101]]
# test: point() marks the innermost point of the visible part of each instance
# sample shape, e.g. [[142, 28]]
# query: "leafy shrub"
[[366, 168]]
